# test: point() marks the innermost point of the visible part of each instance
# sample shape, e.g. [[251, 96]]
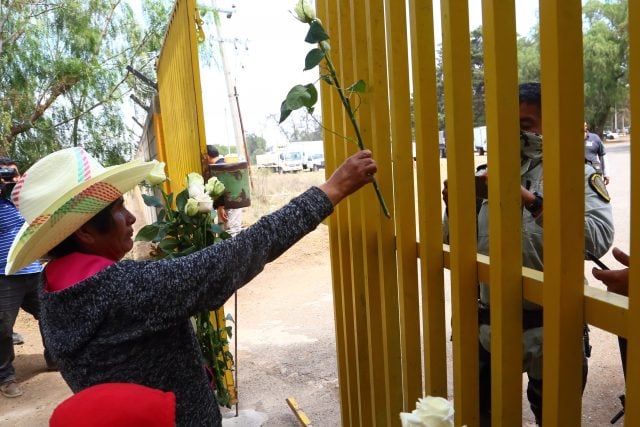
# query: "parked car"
[[610, 135], [314, 162]]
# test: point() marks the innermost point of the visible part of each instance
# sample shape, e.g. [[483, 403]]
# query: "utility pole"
[[231, 89]]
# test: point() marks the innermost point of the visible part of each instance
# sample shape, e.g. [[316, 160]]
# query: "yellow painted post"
[[330, 119], [356, 250], [501, 97], [425, 104], [339, 234], [381, 146], [562, 112], [632, 412], [404, 199], [182, 142], [180, 95], [462, 221], [377, 401]]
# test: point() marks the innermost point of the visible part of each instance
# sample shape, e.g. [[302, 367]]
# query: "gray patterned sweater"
[[130, 321]]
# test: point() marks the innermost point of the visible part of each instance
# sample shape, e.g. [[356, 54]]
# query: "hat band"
[[90, 201]]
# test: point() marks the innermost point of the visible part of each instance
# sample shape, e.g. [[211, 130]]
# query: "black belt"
[[530, 318]]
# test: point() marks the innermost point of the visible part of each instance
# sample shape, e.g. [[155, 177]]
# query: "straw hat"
[[60, 193]]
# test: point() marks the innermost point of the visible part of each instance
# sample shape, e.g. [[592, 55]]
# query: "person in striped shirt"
[[16, 291]]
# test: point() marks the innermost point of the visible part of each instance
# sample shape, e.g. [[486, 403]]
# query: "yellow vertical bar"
[[462, 224], [632, 415], [330, 120], [378, 94], [339, 235], [425, 109], [562, 98], [404, 199], [501, 87], [377, 402], [180, 95], [358, 307]]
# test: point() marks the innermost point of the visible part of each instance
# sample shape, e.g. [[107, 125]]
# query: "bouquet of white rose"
[[184, 229]]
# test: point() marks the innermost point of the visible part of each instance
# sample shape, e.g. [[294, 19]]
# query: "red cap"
[[116, 404]]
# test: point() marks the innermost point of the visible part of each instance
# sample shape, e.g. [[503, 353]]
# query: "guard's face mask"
[[530, 146]]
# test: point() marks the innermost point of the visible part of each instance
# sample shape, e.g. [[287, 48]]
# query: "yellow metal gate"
[[382, 268]]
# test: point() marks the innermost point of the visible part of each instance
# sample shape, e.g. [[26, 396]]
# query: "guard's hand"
[[445, 192], [605, 179], [222, 214], [355, 172], [617, 281]]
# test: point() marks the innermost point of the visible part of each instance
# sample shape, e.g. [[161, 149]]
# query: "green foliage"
[[605, 46], [477, 77], [64, 77], [529, 56], [255, 145], [606, 61]]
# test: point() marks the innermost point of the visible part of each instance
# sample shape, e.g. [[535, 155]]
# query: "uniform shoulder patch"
[[597, 184]]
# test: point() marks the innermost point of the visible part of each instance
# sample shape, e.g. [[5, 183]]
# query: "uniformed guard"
[[598, 239]]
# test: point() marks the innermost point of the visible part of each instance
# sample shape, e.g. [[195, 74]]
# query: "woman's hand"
[[355, 172], [617, 281]]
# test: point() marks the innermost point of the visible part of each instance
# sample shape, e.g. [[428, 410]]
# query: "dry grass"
[[271, 191]]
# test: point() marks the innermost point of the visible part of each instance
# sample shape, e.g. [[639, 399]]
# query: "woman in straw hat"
[[111, 320]]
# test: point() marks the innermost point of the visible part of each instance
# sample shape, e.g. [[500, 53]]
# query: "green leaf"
[[152, 201], [358, 87], [169, 245], [284, 111], [302, 96], [147, 233], [313, 58], [181, 200], [229, 332], [316, 33]]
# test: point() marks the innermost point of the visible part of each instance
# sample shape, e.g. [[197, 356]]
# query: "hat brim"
[[71, 210]]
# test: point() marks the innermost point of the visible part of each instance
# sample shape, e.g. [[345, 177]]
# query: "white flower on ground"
[[191, 208], [430, 412], [157, 174], [304, 11]]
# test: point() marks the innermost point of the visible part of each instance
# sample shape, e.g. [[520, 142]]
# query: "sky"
[[265, 50]]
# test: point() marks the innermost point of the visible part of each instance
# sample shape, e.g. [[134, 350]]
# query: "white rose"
[[410, 420], [157, 174], [205, 204], [194, 177], [434, 411], [214, 187], [305, 11], [196, 189], [191, 208]]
